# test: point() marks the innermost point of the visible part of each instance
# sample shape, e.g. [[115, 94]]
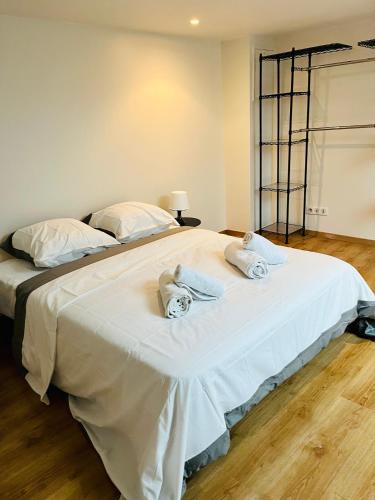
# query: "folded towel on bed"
[[176, 301], [251, 264], [265, 248], [201, 286]]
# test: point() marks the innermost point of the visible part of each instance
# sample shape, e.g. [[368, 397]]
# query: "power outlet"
[[317, 210]]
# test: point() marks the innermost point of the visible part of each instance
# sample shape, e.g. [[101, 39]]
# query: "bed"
[[157, 396]]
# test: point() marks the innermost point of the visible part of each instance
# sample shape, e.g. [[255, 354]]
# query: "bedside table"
[[189, 221]]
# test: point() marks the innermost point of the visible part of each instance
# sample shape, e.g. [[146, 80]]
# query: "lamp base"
[[179, 218], [189, 221]]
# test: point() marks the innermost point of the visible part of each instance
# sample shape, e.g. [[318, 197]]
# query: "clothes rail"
[[332, 65], [338, 127]]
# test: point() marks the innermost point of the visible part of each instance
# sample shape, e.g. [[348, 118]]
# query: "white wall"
[[91, 116], [241, 129], [341, 163], [236, 56]]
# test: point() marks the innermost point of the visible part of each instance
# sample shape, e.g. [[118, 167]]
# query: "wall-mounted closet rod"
[[338, 127], [331, 65]]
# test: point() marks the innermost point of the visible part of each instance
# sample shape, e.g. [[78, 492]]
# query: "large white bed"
[[152, 392]]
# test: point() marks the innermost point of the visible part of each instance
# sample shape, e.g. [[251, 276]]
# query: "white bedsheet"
[[12, 273], [152, 392]]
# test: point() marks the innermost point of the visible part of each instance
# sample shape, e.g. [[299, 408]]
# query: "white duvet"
[[152, 392]]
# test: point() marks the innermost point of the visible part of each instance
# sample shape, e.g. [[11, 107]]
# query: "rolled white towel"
[[265, 248], [200, 285], [251, 264], [176, 301]]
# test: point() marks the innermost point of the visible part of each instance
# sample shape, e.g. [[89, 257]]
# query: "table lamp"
[[179, 201]]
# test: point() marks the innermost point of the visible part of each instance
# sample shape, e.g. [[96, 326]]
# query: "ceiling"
[[219, 18]]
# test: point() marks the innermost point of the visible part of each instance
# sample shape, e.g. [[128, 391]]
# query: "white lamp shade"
[[179, 200]]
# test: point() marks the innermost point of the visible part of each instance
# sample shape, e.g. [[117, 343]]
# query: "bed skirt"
[[352, 321]]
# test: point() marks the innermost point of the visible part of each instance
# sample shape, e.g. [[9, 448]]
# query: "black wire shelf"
[[369, 44], [282, 187], [282, 143], [319, 49], [280, 228], [282, 94]]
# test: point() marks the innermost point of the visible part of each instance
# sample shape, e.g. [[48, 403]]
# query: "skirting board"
[[230, 232], [331, 236]]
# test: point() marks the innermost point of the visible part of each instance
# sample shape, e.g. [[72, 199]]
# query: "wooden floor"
[[311, 439]]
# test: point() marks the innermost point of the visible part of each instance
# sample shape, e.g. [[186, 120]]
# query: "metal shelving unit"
[[288, 187]]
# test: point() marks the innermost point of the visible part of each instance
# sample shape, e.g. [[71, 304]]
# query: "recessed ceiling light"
[[194, 21]]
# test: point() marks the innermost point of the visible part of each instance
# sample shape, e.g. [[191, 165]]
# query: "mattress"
[[12, 273], [152, 393]]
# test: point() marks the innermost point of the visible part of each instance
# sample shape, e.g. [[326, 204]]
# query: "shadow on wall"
[[164, 202]]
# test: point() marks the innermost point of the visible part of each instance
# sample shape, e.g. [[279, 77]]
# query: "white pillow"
[[54, 242], [132, 220]]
